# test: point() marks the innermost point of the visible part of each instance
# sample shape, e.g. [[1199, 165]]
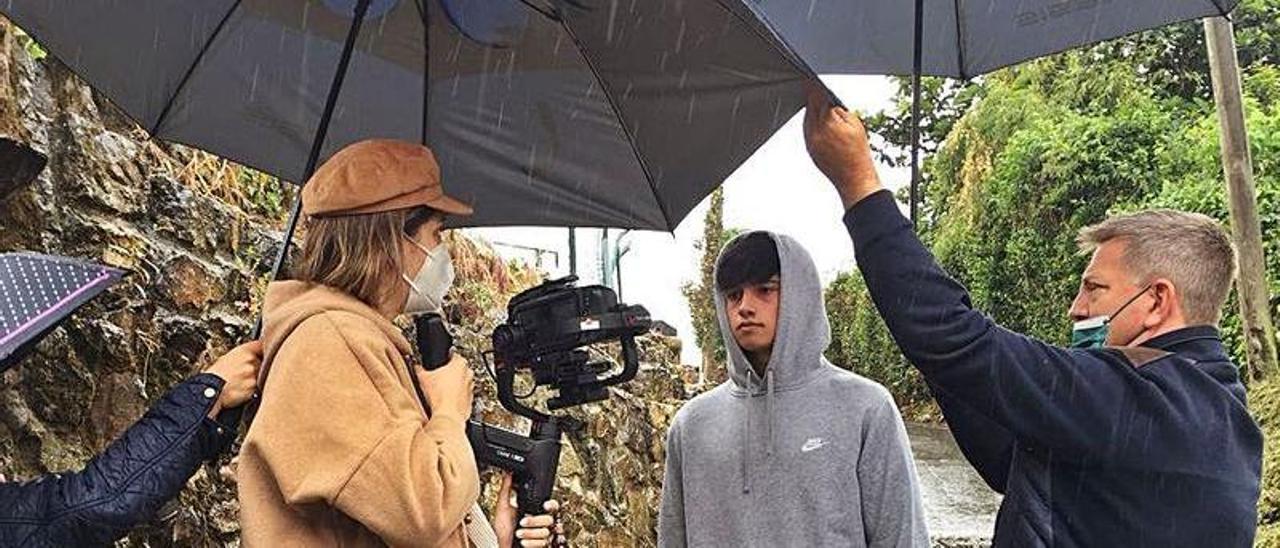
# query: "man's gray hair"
[[1189, 249]]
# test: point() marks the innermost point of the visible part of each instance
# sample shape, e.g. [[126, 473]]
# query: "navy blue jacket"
[[125, 485], [1141, 447]]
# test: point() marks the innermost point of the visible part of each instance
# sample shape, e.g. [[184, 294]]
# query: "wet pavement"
[[959, 507]]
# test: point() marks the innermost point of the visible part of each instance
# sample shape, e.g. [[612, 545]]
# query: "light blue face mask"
[[1092, 333]]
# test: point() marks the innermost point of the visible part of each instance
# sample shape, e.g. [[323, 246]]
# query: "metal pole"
[[617, 273], [619, 250], [1242, 201], [917, 68], [573, 251], [426, 67], [603, 259]]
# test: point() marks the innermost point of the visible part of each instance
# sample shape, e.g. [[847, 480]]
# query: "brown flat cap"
[[378, 175]]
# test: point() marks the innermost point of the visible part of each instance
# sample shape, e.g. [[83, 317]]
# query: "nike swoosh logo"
[[812, 445]]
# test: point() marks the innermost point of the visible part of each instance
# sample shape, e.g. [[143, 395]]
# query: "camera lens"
[[507, 337]]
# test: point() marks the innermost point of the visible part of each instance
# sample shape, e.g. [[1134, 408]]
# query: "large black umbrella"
[[542, 112], [959, 38], [37, 292]]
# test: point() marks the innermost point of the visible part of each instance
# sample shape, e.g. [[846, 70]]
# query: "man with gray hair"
[[1138, 435]]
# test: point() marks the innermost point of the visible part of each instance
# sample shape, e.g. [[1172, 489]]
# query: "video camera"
[[545, 332]]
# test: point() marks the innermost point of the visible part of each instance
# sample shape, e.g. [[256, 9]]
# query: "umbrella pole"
[[573, 251], [322, 131], [915, 112], [425, 9]]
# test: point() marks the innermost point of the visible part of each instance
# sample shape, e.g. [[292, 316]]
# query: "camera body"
[[546, 328], [556, 317]]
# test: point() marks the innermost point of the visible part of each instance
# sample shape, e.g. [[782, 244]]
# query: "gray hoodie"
[[809, 455]]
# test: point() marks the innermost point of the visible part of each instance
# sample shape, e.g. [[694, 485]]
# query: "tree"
[[701, 294], [860, 341]]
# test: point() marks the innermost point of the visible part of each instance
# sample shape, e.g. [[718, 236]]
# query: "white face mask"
[[428, 288]]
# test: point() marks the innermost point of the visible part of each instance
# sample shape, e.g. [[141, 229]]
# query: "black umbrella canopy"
[[962, 38], [958, 38], [542, 112], [37, 292]]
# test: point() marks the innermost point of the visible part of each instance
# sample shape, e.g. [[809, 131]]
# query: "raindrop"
[[455, 52], [613, 16], [253, 83]]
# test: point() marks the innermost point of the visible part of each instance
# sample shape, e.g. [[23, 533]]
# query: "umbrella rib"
[[192, 68], [545, 13], [960, 43], [617, 112], [426, 64], [104, 276], [1218, 6]]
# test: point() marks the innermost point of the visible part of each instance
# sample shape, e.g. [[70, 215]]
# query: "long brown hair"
[[359, 254]]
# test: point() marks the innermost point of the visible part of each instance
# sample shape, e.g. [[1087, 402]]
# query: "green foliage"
[[1192, 181], [942, 103], [860, 341], [1264, 402], [266, 195], [701, 294], [1010, 231], [29, 44]]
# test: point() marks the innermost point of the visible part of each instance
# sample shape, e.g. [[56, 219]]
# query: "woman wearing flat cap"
[[342, 451]]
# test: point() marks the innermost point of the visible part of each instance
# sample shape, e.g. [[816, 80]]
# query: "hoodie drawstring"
[[746, 443], [768, 409], [746, 426]]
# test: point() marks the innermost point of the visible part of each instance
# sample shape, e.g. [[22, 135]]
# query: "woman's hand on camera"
[[448, 389], [238, 370], [533, 531]]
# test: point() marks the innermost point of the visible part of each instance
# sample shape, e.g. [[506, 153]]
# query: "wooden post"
[[1251, 284]]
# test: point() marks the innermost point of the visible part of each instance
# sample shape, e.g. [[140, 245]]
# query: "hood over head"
[[803, 332]]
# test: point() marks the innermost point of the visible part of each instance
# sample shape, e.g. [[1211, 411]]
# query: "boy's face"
[[753, 314]]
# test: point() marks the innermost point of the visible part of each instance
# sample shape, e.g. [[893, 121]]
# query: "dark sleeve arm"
[[987, 445], [1050, 396], [128, 483]]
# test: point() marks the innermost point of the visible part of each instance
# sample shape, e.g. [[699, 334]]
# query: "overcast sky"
[[777, 189]]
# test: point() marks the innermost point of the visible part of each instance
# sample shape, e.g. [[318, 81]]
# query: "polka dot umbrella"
[[37, 292]]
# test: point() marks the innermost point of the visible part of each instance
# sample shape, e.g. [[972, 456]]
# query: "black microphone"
[[435, 343]]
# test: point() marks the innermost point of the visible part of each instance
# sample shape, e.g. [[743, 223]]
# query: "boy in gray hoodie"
[[791, 451]]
